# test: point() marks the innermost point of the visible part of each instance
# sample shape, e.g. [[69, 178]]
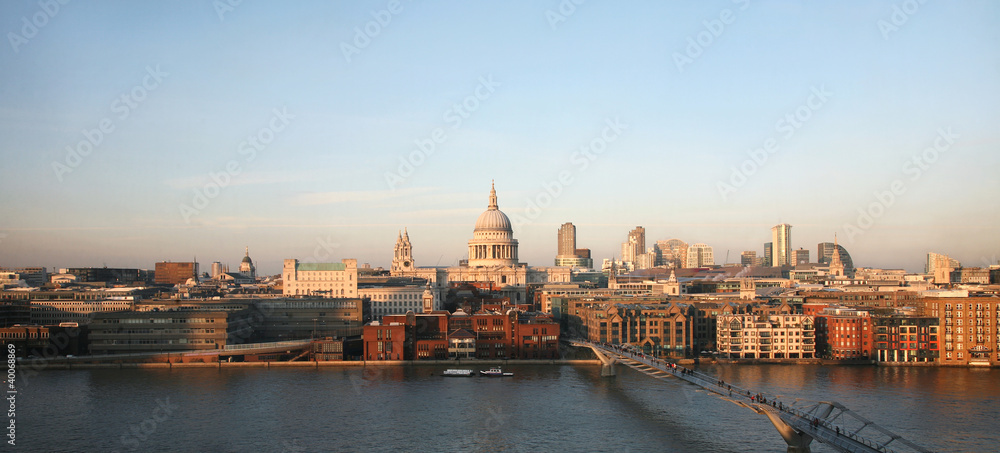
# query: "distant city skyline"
[[133, 133]]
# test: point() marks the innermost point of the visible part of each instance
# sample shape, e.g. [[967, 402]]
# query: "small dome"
[[246, 259]]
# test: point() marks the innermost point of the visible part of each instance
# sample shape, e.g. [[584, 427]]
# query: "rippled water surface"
[[541, 408]]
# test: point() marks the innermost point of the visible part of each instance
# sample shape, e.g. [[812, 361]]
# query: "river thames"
[[541, 408]]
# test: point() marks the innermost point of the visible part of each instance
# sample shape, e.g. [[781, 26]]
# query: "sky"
[[137, 132]]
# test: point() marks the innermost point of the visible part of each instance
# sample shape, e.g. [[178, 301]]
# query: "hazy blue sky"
[[846, 94]]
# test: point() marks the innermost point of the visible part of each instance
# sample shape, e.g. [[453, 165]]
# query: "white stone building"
[[333, 280], [493, 257]]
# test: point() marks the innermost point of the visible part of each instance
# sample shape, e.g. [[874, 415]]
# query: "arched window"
[[736, 325]]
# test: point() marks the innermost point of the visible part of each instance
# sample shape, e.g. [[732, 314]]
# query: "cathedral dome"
[[493, 242], [493, 218]]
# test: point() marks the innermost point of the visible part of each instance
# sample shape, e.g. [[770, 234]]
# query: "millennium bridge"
[[829, 423]]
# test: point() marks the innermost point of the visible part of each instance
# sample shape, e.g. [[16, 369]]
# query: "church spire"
[[493, 196]]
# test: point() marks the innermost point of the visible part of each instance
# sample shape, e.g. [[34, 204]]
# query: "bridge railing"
[[800, 418], [273, 344]]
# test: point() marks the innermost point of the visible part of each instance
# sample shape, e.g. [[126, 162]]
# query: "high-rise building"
[[768, 253], [825, 254], [168, 273], [567, 240], [800, 256], [700, 255], [635, 245], [781, 239], [824, 251], [216, 269], [673, 253], [936, 260], [748, 258], [568, 254]]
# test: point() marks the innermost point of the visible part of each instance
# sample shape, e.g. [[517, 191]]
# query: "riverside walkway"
[[829, 423]]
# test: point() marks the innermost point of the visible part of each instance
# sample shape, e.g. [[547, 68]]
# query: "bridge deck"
[[808, 421]]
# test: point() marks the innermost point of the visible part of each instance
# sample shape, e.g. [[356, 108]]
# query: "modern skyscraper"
[[936, 260], [824, 251], [700, 255], [825, 254], [567, 240], [768, 249], [781, 251], [748, 258], [568, 254], [635, 245], [673, 253]]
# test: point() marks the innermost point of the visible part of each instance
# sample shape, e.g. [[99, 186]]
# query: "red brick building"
[[844, 334], [439, 335]]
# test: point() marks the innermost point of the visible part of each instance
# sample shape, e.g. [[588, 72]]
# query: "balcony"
[[765, 334], [734, 334], [809, 334], [765, 341], [765, 349], [808, 341]]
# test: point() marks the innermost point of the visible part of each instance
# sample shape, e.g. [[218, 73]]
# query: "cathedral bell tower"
[[402, 258]]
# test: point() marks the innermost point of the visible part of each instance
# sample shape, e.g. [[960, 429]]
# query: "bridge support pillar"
[[607, 363], [798, 442]]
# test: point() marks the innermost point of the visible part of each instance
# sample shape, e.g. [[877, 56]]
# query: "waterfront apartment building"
[[659, 329], [906, 339], [134, 332], [320, 279], [440, 335], [844, 334], [969, 327], [766, 336], [301, 318]]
